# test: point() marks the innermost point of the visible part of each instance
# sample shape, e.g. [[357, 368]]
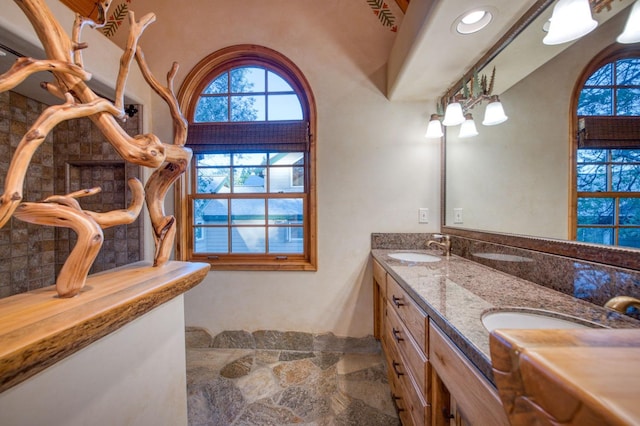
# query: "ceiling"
[[429, 55]]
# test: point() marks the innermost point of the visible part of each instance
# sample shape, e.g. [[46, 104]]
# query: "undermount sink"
[[414, 257], [531, 319]]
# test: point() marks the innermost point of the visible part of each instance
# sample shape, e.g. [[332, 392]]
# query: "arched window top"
[[612, 90], [248, 93]]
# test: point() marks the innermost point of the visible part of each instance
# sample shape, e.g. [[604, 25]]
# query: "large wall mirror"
[[513, 179]]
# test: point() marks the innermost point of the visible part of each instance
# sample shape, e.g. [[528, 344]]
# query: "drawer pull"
[[395, 369], [395, 398], [397, 301], [395, 335], [447, 414]]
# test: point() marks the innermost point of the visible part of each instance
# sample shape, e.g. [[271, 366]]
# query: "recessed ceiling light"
[[474, 20]]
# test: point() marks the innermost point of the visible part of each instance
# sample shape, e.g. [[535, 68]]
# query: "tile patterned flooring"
[[286, 378]]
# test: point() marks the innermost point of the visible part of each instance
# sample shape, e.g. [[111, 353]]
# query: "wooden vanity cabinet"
[[463, 396], [404, 340], [432, 382]]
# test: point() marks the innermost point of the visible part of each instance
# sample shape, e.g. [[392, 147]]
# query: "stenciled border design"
[[385, 15], [116, 18]]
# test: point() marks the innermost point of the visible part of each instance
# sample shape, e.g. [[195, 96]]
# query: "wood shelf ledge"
[[38, 329]]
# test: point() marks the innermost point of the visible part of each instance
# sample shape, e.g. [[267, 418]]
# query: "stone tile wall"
[[31, 255]]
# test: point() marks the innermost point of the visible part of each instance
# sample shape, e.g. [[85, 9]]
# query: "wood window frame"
[[610, 54], [194, 84]]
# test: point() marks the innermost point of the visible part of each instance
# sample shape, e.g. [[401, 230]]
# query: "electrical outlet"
[[423, 215], [457, 215]]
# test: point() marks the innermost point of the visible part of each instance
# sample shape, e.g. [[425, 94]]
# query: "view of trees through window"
[[608, 180]]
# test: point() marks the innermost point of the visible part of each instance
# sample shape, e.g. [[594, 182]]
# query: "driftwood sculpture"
[[64, 61]]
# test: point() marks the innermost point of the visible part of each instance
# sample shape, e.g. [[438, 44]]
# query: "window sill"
[[253, 264]]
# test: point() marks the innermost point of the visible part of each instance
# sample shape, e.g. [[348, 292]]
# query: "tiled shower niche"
[[74, 156]]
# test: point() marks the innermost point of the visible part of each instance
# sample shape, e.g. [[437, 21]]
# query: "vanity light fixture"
[[468, 128], [453, 115], [570, 20], [631, 33], [494, 113], [434, 129], [473, 21]]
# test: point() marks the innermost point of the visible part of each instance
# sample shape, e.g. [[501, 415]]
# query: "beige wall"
[[375, 169]]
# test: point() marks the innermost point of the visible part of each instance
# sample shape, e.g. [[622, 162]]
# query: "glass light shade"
[[631, 33], [494, 113], [434, 129], [571, 19], [468, 128], [453, 114]]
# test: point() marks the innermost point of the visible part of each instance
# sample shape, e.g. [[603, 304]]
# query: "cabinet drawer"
[[380, 276], [412, 316], [408, 348], [412, 399], [398, 394], [475, 397]]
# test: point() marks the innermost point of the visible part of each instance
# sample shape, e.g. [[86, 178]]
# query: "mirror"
[[513, 178]]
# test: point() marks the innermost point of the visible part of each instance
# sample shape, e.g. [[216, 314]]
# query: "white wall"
[[375, 169], [134, 376]]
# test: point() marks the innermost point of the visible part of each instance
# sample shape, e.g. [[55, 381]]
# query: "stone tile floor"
[[286, 378]]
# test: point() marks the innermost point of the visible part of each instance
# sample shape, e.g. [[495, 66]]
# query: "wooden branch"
[[73, 274], [156, 189], [135, 32], [79, 23], [167, 93], [24, 67], [50, 118], [122, 216]]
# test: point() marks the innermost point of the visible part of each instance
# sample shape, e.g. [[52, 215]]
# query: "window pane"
[[286, 158], [219, 85], [211, 110], [625, 178], [629, 237], [249, 180], [285, 210], [286, 179], [629, 211], [247, 80], [592, 178], [248, 240], [286, 239], [595, 211], [628, 72], [213, 180], [275, 83], [250, 159], [592, 155], [628, 102], [213, 160], [595, 102], [212, 212], [596, 235], [602, 77], [247, 108], [213, 240], [284, 107], [249, 211]]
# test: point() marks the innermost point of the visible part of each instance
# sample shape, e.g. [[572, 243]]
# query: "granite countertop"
[[455, 292]]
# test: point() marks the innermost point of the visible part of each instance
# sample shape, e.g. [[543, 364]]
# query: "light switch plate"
[[457, 215], [423, 215]]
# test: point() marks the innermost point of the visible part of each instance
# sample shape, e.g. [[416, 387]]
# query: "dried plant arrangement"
[[170, 160]]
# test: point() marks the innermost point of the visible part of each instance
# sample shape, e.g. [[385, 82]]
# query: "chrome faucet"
[[622, 303], [444, 244]]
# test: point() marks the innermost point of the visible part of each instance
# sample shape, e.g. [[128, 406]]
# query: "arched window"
[[607, 152], [249, 199]]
